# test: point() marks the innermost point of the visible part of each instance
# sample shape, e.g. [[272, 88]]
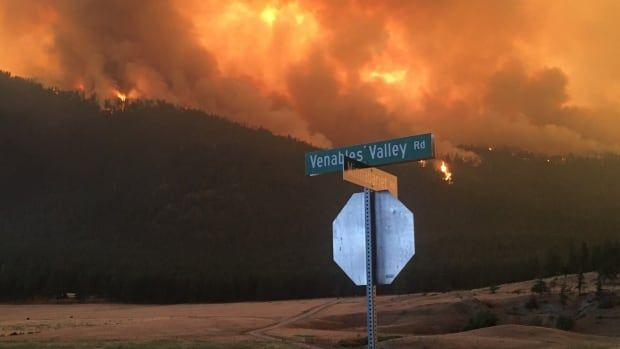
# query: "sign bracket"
[[357, 172]]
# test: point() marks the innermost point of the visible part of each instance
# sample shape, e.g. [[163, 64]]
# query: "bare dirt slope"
[[436, 320], [506, 336]]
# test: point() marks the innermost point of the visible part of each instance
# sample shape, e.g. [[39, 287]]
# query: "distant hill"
[[149, 202]]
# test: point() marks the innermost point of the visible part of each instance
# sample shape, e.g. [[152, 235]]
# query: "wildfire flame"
[[309, 69], [269, 15], [121, 96], [447, 175], [125, 96], [389, 77]]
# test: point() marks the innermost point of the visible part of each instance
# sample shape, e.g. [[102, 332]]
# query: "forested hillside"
[[148, 202]]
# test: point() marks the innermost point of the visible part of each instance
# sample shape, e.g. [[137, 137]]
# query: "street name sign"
[[394, 235], [369, 177], [412, 148]]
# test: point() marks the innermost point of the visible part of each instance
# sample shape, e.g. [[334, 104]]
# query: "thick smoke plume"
[[541, 76]]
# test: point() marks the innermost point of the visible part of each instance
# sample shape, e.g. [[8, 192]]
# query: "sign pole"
[[371, 267], [385, 222]]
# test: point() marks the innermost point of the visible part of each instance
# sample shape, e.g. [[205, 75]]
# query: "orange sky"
[[542, 76]]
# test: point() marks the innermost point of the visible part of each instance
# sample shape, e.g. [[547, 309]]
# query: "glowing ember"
[[490, 148], [447, 175]]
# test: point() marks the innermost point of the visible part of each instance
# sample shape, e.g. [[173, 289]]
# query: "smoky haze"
[[540, 76]]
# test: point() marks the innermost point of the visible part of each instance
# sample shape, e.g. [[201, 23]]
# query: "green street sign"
[[412, 148]]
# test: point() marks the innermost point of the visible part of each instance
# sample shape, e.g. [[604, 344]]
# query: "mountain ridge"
[[150, 202]]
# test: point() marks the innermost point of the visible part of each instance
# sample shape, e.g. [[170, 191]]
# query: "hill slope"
[[151, 202], [456, 319]]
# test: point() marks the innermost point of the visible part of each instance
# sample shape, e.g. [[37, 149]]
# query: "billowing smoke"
[[540, 76]]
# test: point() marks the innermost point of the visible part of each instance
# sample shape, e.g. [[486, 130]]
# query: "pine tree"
[[572, 264], [580, 279], [563, 293], [599, 285], [585, 257], [553, 263]]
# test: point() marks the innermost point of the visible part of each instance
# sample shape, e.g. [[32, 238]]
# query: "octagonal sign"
[[349, 239], [394, 238]]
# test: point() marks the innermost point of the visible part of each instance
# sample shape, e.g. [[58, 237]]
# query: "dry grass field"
[[433, 320]]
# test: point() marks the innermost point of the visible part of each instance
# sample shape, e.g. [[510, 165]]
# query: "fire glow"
[[311, 69], [447, 175], [121, 96], [389, 77]]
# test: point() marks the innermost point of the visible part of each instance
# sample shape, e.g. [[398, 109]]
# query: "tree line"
[[153, 202]]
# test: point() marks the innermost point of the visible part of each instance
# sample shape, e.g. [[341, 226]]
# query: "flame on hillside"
[[125, 96], [447, 175], [120, 95]]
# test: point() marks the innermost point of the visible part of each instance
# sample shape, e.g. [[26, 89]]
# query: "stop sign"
[[394, 238]]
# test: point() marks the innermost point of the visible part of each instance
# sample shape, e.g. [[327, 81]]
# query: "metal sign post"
[[371, 267], [373, 236]]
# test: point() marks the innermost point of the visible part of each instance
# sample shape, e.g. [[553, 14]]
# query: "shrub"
[[493, 288], [540, 286], [606, 300], [564, 323], [483, 318], [532, 303], [536, 321]]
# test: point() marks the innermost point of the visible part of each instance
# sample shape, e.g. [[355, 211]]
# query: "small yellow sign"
[[371, 178]]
